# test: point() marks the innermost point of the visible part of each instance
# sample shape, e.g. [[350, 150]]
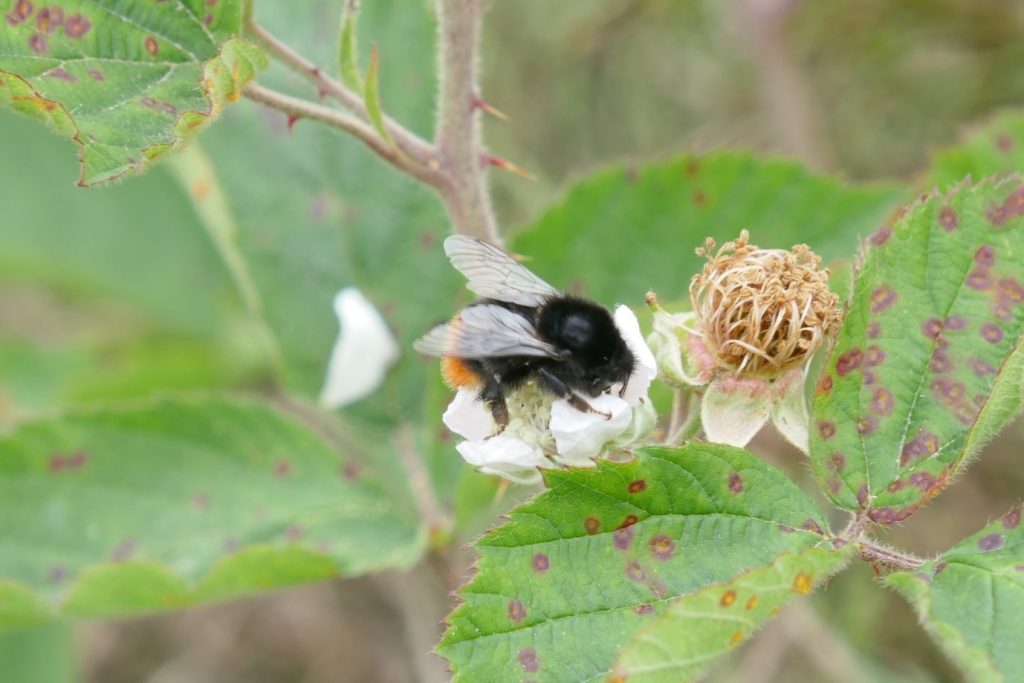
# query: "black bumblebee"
[[523, 329]]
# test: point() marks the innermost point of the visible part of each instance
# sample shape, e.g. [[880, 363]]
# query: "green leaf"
[[697, 628], [927, 365], [624, 231], [333, 215], [588, 563], [177, 502], [129, 82], [371, 95], [91, 243], [348, 60], [994, 147], [970, 599], [45, 654]]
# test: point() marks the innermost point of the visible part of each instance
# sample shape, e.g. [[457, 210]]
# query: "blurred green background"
[[117, 293]]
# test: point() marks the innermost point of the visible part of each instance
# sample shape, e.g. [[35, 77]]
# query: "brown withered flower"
[[758, 316], [761, 312]]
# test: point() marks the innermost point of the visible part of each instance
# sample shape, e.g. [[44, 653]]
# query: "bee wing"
[[495, 274], [486, 330]]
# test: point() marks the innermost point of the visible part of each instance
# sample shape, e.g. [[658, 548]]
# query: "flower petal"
[[646, 367], [468, 416], [505, 456], [580, 436], [733, 411], [364, 351], [789, 414]]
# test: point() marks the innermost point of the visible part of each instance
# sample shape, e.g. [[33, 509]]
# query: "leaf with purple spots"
[[181, 502], [696, 628], [995, 146], [129, 82], [971, 598], [928, 364], [706, 514]]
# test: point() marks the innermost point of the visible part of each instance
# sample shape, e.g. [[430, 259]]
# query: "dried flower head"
[[761, 312]]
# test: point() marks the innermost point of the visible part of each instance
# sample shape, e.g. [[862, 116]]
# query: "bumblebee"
[[522, 330]]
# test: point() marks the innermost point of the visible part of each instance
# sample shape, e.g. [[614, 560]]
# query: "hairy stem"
[[458, 138], [422, 489], [297, 108], [876, 553], [411, 144]]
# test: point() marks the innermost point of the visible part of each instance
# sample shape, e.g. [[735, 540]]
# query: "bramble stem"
[[298, 108], [411, 144], [876, 553], [458, 138]]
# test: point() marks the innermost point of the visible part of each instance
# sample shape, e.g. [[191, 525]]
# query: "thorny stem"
[[458, 139], [411, 144], [298, 108]]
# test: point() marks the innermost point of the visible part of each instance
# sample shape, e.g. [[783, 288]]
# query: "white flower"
[[544, 432], [363, 353]]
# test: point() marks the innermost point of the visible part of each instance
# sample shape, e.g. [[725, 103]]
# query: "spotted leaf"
[[928, 362], [128, 81], [970, 599], [603, 552], [995, 146], [178, 502], [680, 644]]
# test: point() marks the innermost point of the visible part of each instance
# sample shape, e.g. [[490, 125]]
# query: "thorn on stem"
[[506, 165], [292, 118], [490, 109]]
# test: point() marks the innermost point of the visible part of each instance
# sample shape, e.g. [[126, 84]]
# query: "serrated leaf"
[[581, 568], [993, 147], [971, 598], [348, 61], [371, 96], [129, 82], [178, 502], [701, 626], [927, 364], [657, 214]]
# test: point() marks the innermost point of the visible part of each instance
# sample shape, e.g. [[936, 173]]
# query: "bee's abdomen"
[[458, 373]]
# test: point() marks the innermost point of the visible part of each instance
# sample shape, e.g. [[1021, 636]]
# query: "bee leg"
[[493, 396], [560, 389]]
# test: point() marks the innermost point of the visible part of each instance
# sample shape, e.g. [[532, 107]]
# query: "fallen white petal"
[[363, 353], [505, 456], [580, 436], [468, 416], [646, 366], [789, 413], [732, 413]]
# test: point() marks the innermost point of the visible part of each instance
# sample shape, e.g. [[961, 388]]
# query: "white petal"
[[646, 367], [468, 416], [790, 412], [364, 351], [581, 436], [643, 420], [505, 456], [732, 412]]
